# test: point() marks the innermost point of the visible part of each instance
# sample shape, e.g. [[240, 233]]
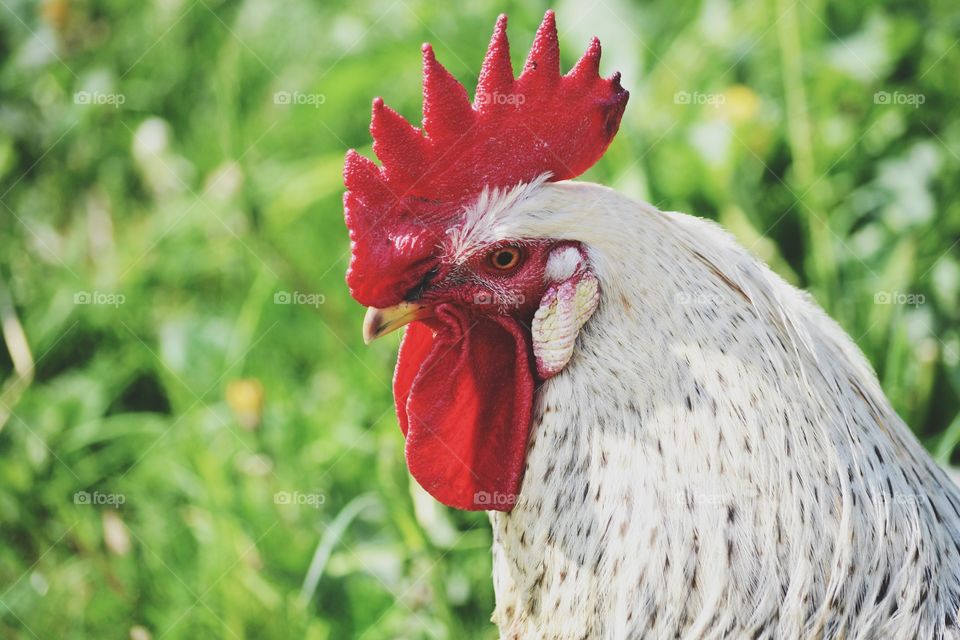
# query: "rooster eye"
[[505, 258]]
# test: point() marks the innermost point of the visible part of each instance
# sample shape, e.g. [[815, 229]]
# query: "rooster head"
[[488, 320]]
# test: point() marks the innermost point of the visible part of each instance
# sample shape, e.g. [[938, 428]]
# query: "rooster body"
[[717, 460]]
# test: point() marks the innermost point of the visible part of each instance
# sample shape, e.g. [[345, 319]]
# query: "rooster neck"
[[718, 458]]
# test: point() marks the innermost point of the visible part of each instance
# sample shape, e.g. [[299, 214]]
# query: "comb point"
[[543, 61], [446, 107], [496, 74], [397, 143], [363, 179]]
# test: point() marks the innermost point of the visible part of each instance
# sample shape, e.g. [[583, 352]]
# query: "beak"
[[380, 322]]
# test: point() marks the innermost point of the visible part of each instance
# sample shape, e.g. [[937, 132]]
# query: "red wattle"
[[463, 388]]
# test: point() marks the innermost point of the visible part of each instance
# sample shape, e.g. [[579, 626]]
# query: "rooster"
[[672, 442]]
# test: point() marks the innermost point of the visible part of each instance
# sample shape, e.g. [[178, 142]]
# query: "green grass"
[[147, 167]]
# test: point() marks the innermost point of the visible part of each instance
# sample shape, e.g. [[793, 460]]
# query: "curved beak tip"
[[380, 322], [372, 323]]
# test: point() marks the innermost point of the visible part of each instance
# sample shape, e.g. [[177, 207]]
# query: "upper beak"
[[380, 322]]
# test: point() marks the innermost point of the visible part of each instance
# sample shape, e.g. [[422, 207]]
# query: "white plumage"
[[717, 460]]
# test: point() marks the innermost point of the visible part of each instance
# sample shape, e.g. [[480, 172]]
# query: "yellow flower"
[[245, 397]]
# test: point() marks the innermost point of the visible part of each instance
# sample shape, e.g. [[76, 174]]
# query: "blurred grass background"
[[193, 440]]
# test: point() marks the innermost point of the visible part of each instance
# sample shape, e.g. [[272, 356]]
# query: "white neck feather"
[[718, 456]]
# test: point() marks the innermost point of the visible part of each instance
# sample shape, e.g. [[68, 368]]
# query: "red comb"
[[516, 130]]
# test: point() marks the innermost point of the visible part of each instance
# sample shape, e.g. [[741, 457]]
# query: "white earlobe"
[[564, 309]]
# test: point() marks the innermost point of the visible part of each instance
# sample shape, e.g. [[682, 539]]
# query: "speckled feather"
[[717, 460]]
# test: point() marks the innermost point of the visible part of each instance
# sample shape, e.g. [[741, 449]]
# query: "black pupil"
[[504, 258]]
